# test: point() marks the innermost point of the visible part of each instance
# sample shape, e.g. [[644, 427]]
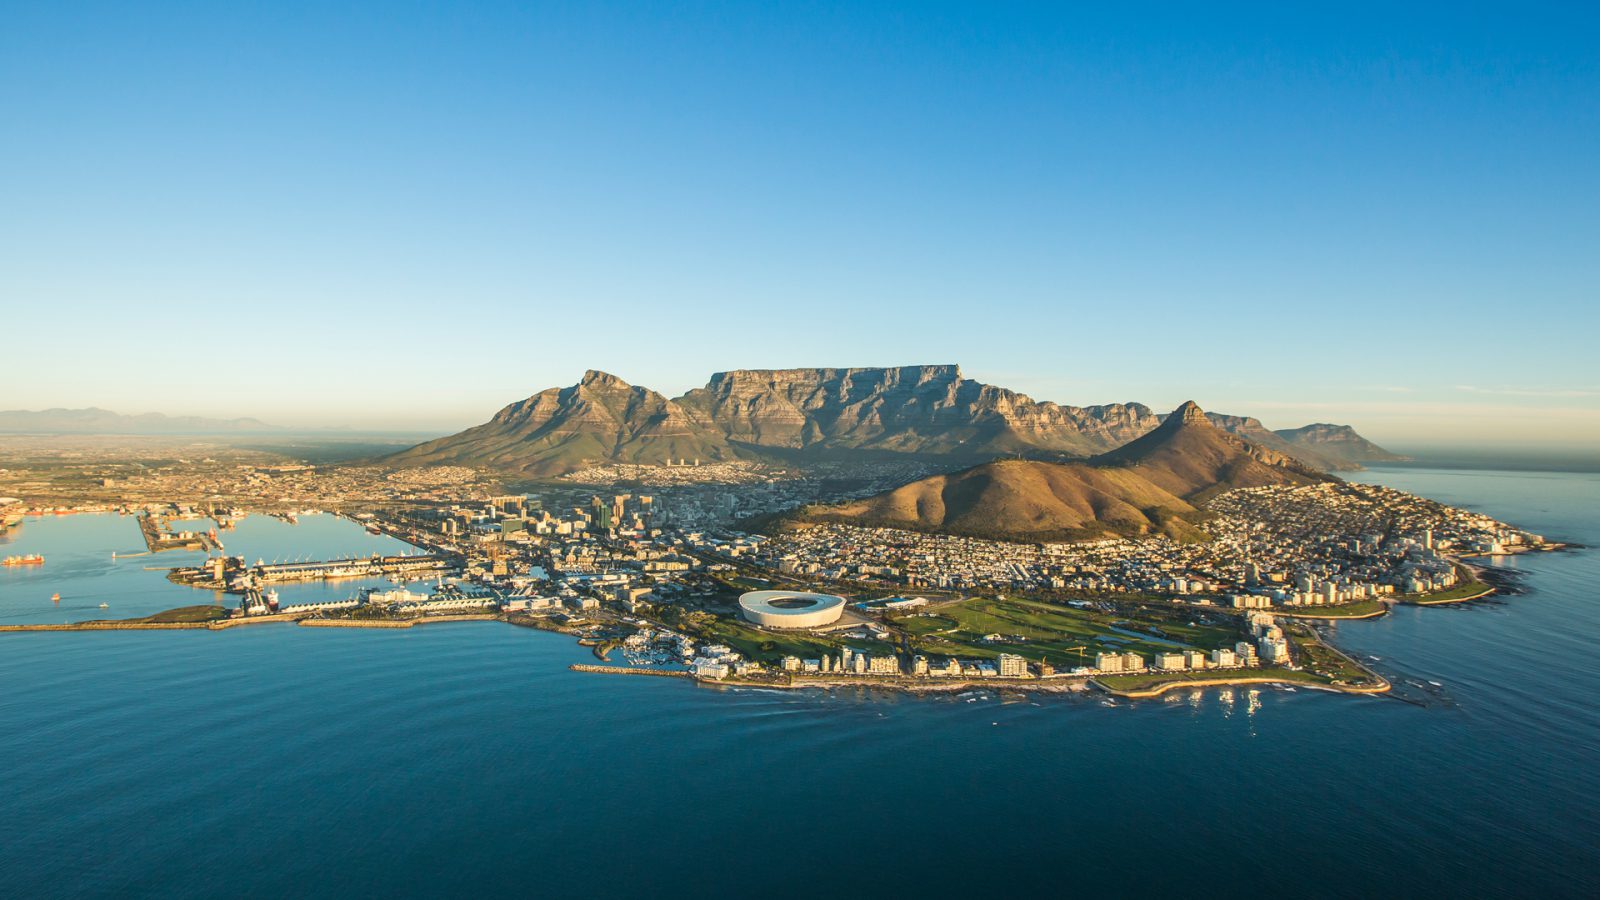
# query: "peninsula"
[[959, 534]]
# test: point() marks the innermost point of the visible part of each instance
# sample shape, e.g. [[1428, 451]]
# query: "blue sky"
[[408, 215]]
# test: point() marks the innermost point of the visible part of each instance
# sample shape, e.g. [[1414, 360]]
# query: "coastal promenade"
[[1178, 684], [1442, 601], [1333, 616]]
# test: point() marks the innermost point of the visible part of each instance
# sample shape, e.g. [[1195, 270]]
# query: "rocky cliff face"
[[908, 409], [1249, 428]]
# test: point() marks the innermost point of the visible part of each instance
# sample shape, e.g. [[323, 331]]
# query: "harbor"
[[98, 565], [158, 536], [233, 574]]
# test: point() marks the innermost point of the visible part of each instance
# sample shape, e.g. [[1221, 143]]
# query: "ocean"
[[466, 759]]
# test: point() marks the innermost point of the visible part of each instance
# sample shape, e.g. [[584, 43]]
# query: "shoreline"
[[1478, 596], [1480, 574], [1160, 688], [1375, 614], [1075, 684]]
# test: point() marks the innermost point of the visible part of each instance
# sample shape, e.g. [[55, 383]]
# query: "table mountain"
[[797, 414], [906, 409]]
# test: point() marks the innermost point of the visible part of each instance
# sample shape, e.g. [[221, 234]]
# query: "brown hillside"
[[1023, 500], [1192, 458]]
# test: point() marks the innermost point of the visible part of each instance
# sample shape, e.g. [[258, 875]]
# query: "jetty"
[[629, 670], [157, 537]]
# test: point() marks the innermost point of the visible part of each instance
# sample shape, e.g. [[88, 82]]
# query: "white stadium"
[[791, 609]]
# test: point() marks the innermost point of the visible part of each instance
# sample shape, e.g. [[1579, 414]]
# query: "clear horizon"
[[405, 220]]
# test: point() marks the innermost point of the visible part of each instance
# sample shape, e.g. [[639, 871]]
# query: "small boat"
[[105, 606], [55, 598], [32, 559]]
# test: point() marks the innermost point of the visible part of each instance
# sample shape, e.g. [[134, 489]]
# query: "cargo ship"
[[32, 559]]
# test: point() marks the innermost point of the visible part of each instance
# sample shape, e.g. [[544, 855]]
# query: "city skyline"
[[350, 217]]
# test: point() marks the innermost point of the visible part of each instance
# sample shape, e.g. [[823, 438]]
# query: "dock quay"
[[397, 623], [355, 568], [234, 574], [628, 670], [157, 538]]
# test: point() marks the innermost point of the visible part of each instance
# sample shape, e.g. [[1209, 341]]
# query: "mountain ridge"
[[1157, 484], [1191, 457], [1340, 445], [95, 420], [797, 414]]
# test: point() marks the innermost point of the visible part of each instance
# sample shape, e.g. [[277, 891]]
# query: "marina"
[[91, 561]]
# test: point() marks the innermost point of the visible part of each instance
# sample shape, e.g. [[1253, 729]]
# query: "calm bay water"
[[79, 565], [465, 758]]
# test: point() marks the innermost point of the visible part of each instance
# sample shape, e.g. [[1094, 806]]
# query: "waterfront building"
[[1013, 666], [883, 665], [1275, 650], [710, 668], [324, 606]]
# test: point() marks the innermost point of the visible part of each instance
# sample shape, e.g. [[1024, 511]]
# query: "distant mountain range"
[[1334, 444], [1155, 484], [103, 421], [798, 414]]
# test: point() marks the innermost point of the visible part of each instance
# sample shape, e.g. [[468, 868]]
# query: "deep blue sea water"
[[466, 759]]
